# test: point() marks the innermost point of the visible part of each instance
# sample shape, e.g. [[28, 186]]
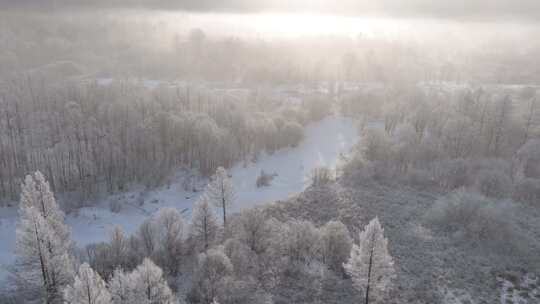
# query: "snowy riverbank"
[[324, 143]]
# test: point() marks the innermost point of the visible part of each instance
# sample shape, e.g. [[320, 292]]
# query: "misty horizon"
[[474, 10]]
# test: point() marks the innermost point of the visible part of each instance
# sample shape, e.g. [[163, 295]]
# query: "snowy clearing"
[[324, 144]]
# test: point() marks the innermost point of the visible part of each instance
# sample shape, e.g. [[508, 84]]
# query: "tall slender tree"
[[220, 191], [43, 264], [204, 225], [370, 265], [169, 228]]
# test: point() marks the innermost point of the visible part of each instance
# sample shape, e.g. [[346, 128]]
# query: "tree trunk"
[[205, 234], [224, 212], [369, 270]]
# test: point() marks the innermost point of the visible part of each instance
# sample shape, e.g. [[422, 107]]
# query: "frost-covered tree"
[[118, 248], [36, 193], [529, 156], [204, 227], [336, 244], [254, 230], [149, 285], [370, 265], [147, 238], [88, 288], [220, 191], [43, 264], [301, 241], [145, 285], [83, 148], [104, 257], [212, 267], [169, 229], [243, 259], [122, 288]]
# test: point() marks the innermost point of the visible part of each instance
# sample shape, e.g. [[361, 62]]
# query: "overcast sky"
[[482, 10]]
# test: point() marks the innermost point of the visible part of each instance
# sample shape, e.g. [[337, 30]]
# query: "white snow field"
[[324, 144]]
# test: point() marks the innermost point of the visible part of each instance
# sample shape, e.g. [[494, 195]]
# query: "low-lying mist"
[[264, 47]]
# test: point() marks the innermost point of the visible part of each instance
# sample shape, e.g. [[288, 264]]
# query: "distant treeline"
[[486, 139], [116, 43]]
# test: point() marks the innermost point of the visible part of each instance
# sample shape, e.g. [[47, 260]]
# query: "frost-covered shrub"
[[264, 179], [475, 218], [493, 183], [527, 190]]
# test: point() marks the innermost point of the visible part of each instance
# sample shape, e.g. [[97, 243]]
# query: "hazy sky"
[[482, 10]]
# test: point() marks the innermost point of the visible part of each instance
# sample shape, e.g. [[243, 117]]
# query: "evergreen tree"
[[370, 265], [43, 265]]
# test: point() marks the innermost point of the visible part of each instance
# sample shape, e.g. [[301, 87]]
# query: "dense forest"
[[91, 138], [444, 180], [155, 156], [448, 138]]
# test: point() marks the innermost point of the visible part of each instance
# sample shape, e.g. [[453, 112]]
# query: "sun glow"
[[280, 25], [310, 24]]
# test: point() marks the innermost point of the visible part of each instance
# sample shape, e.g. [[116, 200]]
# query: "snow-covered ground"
[[324, 144]]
